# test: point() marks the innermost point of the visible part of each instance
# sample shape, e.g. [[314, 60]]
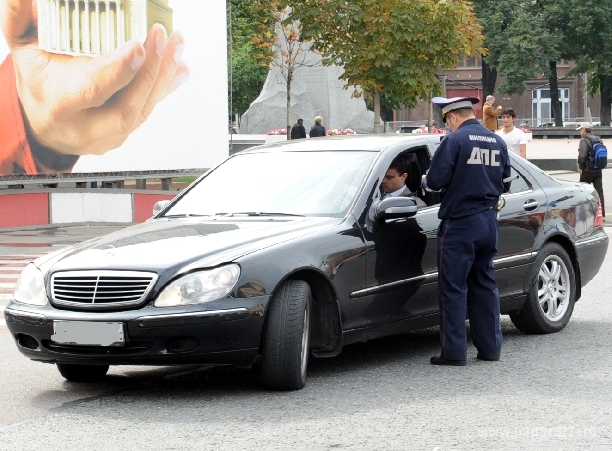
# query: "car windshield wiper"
[[183, 215], [256, 213]]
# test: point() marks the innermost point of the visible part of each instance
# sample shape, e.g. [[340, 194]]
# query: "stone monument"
[[315, 91]]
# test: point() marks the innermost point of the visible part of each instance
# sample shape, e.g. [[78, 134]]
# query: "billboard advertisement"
[[93, 86]]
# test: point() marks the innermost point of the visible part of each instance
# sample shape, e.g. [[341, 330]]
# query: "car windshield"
[[279, 183]]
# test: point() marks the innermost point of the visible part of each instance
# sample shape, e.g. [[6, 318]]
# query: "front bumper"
[[227, 332]]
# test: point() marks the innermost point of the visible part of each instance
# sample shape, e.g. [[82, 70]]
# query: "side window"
[[520, 184], [411, 164]]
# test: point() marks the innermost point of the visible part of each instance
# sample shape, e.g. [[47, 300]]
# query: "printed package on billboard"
[[112, 85]]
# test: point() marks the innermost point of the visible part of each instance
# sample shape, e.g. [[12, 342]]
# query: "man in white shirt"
[[516, 140]]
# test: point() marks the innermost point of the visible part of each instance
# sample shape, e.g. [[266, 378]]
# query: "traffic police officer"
[[470, 167]]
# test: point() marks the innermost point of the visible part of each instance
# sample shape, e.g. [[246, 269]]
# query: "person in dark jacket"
[[471, 165], [298, 131], [585, 163], [317, 129]]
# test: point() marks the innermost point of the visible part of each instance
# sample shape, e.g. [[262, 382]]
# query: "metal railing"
[[403, 126], [12, 181], [550, 122]]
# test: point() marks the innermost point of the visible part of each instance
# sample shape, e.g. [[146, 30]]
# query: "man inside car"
[[395, 182]]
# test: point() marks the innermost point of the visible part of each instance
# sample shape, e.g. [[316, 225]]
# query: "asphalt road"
[[547, 392]]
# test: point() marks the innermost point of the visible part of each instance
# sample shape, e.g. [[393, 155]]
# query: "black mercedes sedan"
[[288, 250]]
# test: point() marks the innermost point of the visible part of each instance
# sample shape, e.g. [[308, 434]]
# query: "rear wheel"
[[286, 337], [82, 373], [552, 292]]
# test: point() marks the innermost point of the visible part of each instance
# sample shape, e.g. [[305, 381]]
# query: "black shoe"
[[479, 356], [436, 360]]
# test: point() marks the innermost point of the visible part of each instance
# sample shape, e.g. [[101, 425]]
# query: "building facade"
[[533, 107]]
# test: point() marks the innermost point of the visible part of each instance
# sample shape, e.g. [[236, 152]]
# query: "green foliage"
[[250, 19], [249, 62], [522, 36], [394, 47], [589, 37], [248, 77]]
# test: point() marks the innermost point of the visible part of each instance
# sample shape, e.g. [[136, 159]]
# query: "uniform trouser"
[[466, 277], [594, 177]]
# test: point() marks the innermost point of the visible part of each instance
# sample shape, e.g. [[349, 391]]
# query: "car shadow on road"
[[205, 383], [378, 373]]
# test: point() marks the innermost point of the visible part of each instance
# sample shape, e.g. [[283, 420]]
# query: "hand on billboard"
[[80, 105]]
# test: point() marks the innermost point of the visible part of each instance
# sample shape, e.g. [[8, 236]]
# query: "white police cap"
[[454, 103]]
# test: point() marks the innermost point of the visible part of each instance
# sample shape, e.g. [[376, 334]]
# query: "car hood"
[[164, 243]]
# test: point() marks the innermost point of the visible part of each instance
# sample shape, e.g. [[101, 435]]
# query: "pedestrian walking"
[[317, 129], [586, 162], [489, 114], [470, 167], [515, 138], [298, 131]]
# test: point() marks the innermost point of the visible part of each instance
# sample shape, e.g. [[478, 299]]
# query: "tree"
[[248, 64], [289, 52], [248, 77], [395, 47], [484, 10], [590, 40], [525, 38]]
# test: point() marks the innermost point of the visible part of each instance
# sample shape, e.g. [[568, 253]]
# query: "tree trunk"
[[437, 114], [489, 78], [289, 106], [605, 88], [377, 112], [554, 94], [430, 117]]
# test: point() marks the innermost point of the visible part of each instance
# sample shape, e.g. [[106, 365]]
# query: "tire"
[[82, 373], [552, 293], [286, 337]]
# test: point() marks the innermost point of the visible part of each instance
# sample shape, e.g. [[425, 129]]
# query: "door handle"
[[531, 205]]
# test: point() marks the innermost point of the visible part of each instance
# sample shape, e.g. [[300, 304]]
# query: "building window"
[[542, 109], [468, 62]]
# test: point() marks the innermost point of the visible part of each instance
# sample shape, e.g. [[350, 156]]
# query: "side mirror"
[[396, 207], [159, 206]]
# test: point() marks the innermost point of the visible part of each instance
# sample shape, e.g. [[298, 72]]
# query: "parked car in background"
[[286, 250]]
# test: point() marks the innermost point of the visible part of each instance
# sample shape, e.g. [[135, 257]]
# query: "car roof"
[[373, 143]]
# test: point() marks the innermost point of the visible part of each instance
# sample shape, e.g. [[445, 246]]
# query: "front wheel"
[[552, 292], [286, 337], [82, 373]]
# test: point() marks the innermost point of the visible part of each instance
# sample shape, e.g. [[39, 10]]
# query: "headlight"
[[199, 287], [30, 287]]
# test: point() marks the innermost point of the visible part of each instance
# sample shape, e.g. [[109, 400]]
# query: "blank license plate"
[[88, 333]]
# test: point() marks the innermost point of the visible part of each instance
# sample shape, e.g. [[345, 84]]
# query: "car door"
[[401, 271], [519, 222]]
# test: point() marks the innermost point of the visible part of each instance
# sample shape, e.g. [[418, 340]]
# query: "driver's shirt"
[[470, 165], [394, 193]]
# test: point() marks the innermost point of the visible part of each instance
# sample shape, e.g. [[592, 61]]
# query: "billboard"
[[90, 86]]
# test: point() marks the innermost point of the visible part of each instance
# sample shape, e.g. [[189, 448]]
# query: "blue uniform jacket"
[[470, 163]]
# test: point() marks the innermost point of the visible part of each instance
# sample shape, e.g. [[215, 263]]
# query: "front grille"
[[100, 290]]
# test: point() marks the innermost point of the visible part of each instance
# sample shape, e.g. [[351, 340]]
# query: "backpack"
[[598, 155]]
